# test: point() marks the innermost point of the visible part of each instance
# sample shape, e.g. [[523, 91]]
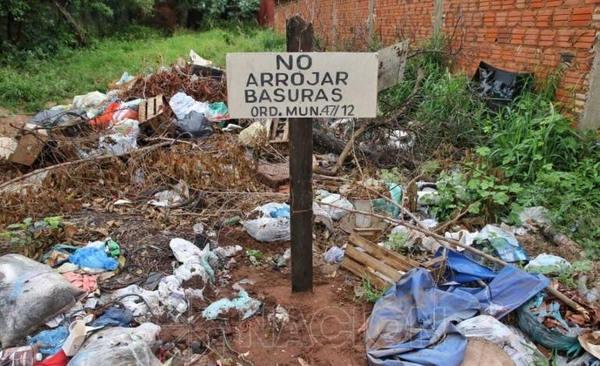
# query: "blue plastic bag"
[[93, 258], [49, 342], [114, 317]]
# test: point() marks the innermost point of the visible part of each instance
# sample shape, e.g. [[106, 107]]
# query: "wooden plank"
[[385, 255], [143, 111], [151, 108], [362, 272], [369, 261]]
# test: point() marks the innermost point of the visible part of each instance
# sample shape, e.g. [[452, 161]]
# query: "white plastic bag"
[[341, 204], [520, 350], [31, 294], [273, 223], [182, 104], [547, 263], [119, 346], [91, 99]]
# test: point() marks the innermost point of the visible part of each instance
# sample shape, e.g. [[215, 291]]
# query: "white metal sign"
[[302, 85]]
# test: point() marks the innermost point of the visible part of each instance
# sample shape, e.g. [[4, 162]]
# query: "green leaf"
[[500, 198]]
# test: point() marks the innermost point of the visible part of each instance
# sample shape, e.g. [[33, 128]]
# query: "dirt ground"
[[9, 121], [324, 325]]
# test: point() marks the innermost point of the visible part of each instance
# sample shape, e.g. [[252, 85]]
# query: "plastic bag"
[[334, 254], [93, 260], [195, 124], [116, 111], [31, 294], [119, 346], [341, 204], [243, 304], [520, 350], [218, 111], [272, 225], [268, 229], [91, 99], [134, 303], [172, 295], [182, 105], [503, 243], [562, 338], [547, 263], [253, 135], [275, 210], [49, 342]]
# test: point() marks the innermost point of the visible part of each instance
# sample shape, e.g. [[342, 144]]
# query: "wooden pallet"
[[153, 119], [383, 267]]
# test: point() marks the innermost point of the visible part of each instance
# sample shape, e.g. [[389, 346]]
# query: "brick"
[[587, 11]]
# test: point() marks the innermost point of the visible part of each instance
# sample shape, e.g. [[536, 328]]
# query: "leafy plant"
[[397, 241], [567, 276], [475, 189], [26, 232], [368, 293]]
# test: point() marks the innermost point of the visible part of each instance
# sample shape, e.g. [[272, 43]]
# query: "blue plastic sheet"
[[95, 258], [498, 293], [413, 324], [49, 342]]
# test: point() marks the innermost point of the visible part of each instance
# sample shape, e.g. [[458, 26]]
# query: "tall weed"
[[529, 136]]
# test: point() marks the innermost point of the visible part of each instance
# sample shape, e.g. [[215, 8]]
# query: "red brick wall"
[[515, 35]]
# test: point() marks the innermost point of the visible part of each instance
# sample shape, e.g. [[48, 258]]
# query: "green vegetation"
[[368, 293], [30, 84], [496, 162], [27, 232]]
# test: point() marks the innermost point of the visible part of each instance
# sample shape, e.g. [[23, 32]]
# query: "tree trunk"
[[79, 32]]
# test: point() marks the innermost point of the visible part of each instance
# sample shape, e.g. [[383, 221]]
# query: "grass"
[[30, 84]]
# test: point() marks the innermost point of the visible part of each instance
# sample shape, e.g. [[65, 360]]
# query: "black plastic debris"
[[499, 87]]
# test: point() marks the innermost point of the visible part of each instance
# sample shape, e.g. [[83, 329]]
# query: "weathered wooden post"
[[300, 39]]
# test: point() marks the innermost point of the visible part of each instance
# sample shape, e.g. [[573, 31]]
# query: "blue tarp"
[[413, 323], [500, 293]]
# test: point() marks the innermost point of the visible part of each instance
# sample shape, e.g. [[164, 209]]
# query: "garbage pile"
[[135, 108], [56, 312], [447, 294]]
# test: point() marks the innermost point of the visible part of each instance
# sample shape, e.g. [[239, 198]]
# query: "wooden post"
[[299, 39]]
